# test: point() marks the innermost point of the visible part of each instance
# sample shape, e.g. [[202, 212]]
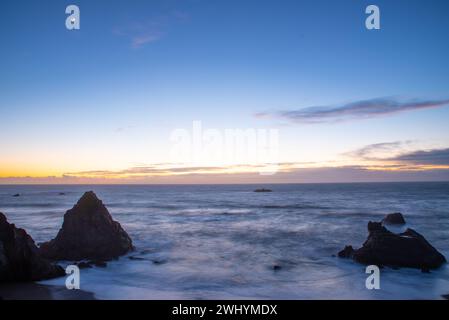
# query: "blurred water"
[[222, 241]]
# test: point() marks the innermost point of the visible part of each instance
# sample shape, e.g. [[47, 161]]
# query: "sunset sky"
[[101, 104]]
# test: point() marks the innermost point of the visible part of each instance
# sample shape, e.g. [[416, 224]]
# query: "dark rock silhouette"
[[276, 267], [394, 218], [263, 190], [83, 265], [19, 256], [88, 232], [16, 195], [347, 252], [384, 248]]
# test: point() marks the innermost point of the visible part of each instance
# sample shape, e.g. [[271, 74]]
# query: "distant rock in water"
[[19, 256], [394, 218], [88, 232], [263, 190], [16, 195], [384, 248]]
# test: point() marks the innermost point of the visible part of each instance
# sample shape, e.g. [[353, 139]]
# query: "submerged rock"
[[384, 248], [19, 256], [394, 218], [88, 232]]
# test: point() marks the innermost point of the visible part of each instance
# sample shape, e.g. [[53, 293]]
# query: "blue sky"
[[107, 96]]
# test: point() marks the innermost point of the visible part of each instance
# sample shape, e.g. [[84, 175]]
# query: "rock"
[[408, 249], [19, 256], [88, 232], [277, 267], [347, 252], [394, 218], [62, 194], [16, 195], [262, 190], [445, 296], [83, 265]]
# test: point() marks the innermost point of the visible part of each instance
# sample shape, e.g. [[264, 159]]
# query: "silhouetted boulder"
[[384, 248], [88, 232], [394, 218], [263, 190], [16, 195], [19, 256]]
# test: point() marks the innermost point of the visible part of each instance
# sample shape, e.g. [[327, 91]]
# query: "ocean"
[[228, 242]]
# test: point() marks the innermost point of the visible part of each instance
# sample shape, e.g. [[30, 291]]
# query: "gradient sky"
[[99, 104]]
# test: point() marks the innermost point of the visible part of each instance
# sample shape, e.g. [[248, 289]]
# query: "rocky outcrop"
[[263, 190], [19, 256], [88, 232], [347, 252], [394, 218], [384, 248]]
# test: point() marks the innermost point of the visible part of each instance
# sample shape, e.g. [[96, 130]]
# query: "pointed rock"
[[19, 256], [88, 232]]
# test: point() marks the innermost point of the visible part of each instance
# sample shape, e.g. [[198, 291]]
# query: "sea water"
[[228, 242]]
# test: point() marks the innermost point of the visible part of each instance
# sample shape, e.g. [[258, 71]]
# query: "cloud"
[[363, 109], [150, 30], [379, 151], [142, 39], [426, 157], [170, 169], [343, 174], [397, 155]]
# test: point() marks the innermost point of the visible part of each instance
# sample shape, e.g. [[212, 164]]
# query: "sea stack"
[[88, 232], [384, 248], [19, 256]]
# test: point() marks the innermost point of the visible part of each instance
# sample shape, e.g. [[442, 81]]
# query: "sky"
[[149, 91]]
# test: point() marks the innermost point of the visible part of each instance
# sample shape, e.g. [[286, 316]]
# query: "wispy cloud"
[[170, 169], [293, 175], [400, 155], [355, 110], [426, 157], [379, 151], [142, 39], [152, 29]]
